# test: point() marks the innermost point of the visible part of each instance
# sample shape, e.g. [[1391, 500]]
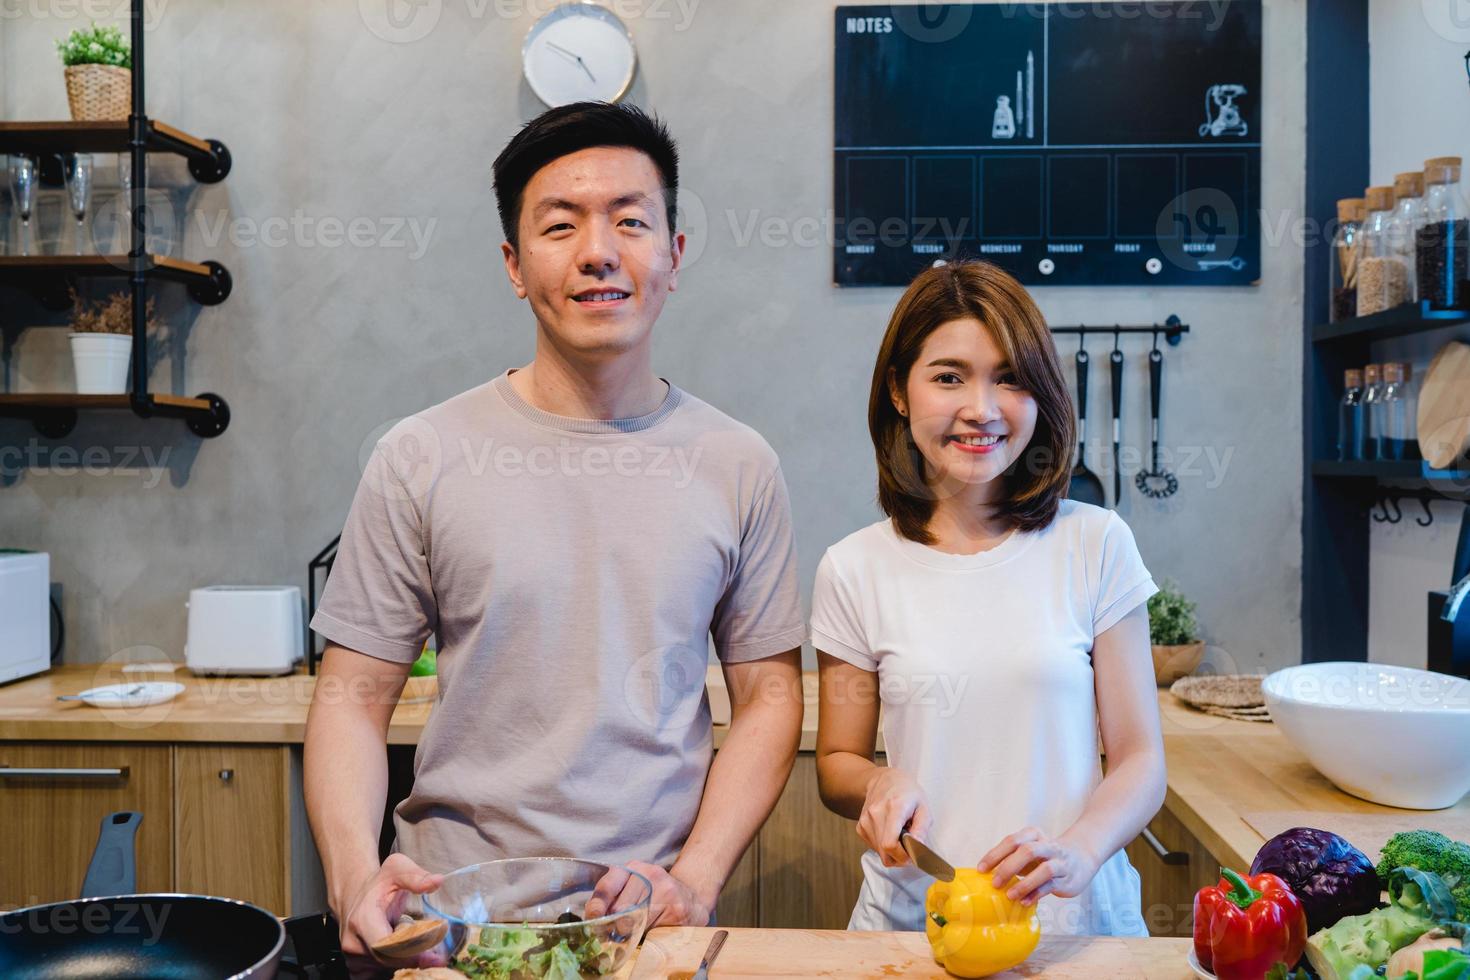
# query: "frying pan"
[[1085, 485], [110, 933]]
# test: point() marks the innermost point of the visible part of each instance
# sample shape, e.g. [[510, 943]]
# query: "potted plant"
[[1177, 648], [102, 341], [99, 73]]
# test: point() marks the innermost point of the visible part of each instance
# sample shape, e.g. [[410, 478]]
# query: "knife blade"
[[925, 858], [710, 953]]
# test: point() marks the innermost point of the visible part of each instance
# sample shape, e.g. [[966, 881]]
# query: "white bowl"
[[1392, 735]]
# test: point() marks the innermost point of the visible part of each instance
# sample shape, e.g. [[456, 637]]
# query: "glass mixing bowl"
[[524, 918]]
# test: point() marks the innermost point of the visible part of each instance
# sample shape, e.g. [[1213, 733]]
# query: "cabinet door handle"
[[225, 775], [9, 772], [1165, 855]]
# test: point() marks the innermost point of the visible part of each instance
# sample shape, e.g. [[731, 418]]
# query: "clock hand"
[[573, 55]]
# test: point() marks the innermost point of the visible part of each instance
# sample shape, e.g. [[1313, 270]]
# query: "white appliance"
[[244, 629], [25, 614]]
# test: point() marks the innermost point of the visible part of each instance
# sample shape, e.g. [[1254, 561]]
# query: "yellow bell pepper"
[[974, 929]]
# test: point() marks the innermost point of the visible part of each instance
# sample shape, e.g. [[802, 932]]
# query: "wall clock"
[[579, 52]]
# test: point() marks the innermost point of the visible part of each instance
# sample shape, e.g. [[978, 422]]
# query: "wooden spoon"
[[412, 937]]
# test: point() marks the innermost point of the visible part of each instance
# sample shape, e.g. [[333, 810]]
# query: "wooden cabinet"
[[802, 871], [1169, 884], [809, 858], [739, 901], [218, 819], [53, 802], [233, 824]]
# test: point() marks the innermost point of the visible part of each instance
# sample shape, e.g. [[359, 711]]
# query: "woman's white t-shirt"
[[985, 673]]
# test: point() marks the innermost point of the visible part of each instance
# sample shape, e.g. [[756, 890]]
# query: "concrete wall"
[[323, 345], [1420, 108]]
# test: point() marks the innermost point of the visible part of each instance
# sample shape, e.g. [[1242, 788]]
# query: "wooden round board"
[[1444, 407]]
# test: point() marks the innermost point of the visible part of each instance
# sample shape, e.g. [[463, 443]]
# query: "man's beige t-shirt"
[[574, 571]]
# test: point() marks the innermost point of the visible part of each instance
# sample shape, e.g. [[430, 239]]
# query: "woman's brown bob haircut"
[[960, 291]]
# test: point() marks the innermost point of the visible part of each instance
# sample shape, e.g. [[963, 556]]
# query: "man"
[[574, 532]]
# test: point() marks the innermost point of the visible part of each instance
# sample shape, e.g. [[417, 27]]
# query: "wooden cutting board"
[[1444, 407], [1366, 831], [674, 954]]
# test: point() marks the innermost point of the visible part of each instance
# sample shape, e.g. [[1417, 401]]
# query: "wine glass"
[[77, 169], [23, 192], [125, 198]]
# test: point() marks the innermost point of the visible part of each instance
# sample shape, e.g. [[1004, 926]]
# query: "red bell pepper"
[[1244, 926]]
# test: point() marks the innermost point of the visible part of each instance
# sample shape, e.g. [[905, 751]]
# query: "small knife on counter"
[[925, 859]]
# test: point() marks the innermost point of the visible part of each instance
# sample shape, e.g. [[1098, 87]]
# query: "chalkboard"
[[1069, 143]]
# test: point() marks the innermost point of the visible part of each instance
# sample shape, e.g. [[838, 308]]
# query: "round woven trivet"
[[1220, 691]]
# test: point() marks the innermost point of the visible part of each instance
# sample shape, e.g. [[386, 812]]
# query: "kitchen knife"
[[715, 945], [925, 859]]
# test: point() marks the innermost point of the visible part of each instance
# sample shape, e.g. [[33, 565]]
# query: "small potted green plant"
[[99, 73], [102, 342], [1177, 647]]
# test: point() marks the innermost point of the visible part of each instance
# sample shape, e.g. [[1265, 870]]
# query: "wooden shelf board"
[[69, 136], [97, 264], [72, 400]]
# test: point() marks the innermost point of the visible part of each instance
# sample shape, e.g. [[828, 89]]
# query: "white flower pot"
[[101, 361]]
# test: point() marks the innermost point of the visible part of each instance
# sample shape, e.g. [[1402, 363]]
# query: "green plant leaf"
[[1171, 620]]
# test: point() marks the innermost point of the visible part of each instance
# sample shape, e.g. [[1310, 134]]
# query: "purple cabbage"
[[1331, 877]]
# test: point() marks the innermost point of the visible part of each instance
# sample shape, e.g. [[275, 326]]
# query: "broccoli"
[[1429, 850]]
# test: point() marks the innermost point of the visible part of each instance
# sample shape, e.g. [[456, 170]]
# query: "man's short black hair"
[[567, 129]]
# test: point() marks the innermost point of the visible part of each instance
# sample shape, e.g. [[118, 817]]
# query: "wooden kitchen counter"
[[1225, 773], [210, 709], [1219, 769], [674, 954]]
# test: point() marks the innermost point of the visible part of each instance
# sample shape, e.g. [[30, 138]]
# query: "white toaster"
[[244, 629]]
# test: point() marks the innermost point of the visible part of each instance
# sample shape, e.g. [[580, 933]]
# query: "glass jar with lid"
[[1383, 278], [1442, 245], [1408, 218], [1350, 416], [1399, 438], [1344, 275], [1372, 410]]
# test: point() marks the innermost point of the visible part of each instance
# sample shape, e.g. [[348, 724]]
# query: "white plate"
[[1199, 971], [138, 695]]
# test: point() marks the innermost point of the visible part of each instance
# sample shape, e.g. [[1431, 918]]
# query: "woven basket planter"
[[98, 92], [1174, 662]]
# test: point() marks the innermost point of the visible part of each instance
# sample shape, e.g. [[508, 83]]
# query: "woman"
[[1000, 626]]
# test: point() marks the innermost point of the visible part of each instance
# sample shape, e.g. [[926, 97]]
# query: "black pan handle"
[[113, 870]]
